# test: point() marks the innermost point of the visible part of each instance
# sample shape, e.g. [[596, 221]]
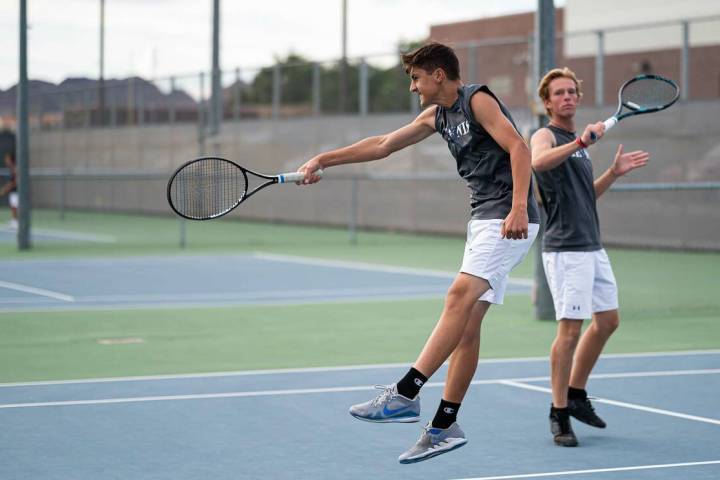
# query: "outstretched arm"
[[487, 112], [622, 165], [373, 148]]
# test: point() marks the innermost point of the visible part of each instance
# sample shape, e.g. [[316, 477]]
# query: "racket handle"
[[609, 123], [292, 177]]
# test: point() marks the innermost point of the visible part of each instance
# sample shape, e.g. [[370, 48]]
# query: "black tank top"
[[568, 196], [483, 164]]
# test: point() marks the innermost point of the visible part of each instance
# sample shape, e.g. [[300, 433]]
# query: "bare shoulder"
[[427, 117], [543, 136], [486, 108]]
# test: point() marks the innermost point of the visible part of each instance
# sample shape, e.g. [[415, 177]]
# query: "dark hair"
[[432, 56]]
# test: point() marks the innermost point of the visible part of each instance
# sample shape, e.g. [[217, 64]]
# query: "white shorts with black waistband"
[[489, 256], [581, 283]]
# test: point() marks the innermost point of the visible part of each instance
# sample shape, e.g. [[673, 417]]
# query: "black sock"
[[563, 412], [409, 386], [446, 414], [576, 393]]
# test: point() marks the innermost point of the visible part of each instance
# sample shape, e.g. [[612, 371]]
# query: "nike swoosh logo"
[[387, 411]]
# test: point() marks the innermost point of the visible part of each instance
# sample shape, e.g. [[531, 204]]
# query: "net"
[[207, 188]]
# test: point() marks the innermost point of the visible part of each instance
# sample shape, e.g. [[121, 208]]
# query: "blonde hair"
[[544, 86]]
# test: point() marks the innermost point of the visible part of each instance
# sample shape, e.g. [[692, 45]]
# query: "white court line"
[[65, 235], [343, 368], [271, 257], [633, 406], [515, 382], [36, 291], [597, 470], [526, 282]]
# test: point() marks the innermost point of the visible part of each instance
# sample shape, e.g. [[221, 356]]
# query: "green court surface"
[[669, 301]]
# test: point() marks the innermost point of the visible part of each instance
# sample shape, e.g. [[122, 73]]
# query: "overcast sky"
[[159, 38]]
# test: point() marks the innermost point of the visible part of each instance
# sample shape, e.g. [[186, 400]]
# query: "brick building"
[[496, 50]]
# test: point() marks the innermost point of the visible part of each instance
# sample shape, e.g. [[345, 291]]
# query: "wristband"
[[581, 143]]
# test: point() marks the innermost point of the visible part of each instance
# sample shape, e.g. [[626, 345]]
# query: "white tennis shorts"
[[13, 199], [581, 283], [489, 256]]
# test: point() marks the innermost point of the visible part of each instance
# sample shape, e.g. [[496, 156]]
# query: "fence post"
[[237, 96], [363, 90], [472, 73], [600, 70], [276, 93], [316, 89], [685, 62], [171, 105], [352, 221], [113, 107]]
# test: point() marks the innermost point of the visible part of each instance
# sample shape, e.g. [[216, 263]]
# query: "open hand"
[[626, 162]]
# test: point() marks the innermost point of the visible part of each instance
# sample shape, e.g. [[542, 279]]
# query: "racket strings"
[[207, 188], [648, 93]]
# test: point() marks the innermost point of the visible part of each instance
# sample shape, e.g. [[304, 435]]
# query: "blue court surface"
[[661, 410], [210, 280]]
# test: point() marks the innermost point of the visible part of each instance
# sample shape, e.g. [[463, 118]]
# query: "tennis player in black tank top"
[[495, 162], [577, 268]]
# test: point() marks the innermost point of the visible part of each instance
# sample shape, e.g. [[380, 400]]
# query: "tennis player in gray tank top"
[[494, 160], [578, 270]]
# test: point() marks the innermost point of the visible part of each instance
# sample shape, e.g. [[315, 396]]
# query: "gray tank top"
[[483, 164], [568, 196]]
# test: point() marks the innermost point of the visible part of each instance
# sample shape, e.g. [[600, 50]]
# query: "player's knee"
[[568, 333], [608, 323], [461, 295]]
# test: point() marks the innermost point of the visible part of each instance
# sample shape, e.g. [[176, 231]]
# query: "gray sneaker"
[[434, 442], [388, 407]]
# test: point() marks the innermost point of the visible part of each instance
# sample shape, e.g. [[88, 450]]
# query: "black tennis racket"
[[210, 187], [643, 94]]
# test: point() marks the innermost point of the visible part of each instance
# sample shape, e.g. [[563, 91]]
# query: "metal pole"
[[23, 170], [544, 61], [171, 106], [600, 70], [237, 95], [101, 82], [113, 108], [316, 89], [352, 221], [363, 94], [201, 116], [276, 93], [140, 96], [472, 73], [685, 62], [342, 91], [216, 103]]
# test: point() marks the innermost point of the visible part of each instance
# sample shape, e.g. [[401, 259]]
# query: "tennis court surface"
[[661, 411], [209, 280]]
